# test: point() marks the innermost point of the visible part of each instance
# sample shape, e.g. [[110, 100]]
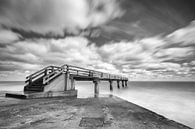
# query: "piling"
[[118, 84], [111, 87], [96, 87], [123, 84]]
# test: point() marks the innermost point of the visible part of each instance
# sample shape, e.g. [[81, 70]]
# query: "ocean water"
[[174, 100]]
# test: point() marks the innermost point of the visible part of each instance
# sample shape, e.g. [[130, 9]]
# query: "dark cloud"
[[145, 18], [159, 16], [54, 18]]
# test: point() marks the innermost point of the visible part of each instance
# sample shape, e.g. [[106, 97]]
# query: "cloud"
[[57, 16], [184, 36], [144, 59], [176, 53], [153, 57], [148, 58], [31, 55], [7, 36], [192, 63]]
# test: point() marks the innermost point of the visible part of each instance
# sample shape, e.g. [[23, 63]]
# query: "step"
[[50, 94], [34, 88]]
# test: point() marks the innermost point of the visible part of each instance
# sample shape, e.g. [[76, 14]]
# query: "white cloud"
[[192, 63], [55, 16], [145, 59], [31, 55], [153, 43], [184, 36], [119, 52], [161, 65], [7, 36], [175, 53]]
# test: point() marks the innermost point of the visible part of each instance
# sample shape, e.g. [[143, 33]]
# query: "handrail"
[[47, 78], [74, 70], [90, 70], [37, 72]]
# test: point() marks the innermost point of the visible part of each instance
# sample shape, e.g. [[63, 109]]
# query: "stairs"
[[37, 81], [36, 86]]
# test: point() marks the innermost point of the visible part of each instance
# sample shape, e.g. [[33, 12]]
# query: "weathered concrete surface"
[[90, 113]]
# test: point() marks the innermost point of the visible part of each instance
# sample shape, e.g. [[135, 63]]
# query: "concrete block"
[[49, 94]]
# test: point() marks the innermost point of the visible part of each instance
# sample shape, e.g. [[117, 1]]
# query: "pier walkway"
[[62, 79]]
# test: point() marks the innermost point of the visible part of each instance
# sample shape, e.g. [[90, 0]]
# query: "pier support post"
[[96, 87], [118, 84], [67, 77], [111, 87], [123, 84], [72, 83]]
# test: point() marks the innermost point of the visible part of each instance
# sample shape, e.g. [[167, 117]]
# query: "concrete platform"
[[50, 94], [75, 113]]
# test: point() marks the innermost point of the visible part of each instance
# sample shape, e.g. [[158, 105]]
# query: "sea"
[[174, 100]]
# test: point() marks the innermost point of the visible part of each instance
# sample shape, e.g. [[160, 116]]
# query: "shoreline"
[[103, 112]]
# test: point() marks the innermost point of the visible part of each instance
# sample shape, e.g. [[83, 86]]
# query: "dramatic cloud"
[[31, 55], [56, 16], [154, 57], [144, 59], [135, 38]]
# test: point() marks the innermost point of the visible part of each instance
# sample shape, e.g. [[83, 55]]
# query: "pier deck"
[[55, 81]]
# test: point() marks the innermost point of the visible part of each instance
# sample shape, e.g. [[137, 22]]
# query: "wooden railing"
[[50, 72], [38, 74]]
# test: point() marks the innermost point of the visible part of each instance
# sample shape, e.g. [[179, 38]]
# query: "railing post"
[[52, 68], [90, 74], [96, 87], [118, 84], [45, 72], [67, 76], [111, 87], [30, 81]]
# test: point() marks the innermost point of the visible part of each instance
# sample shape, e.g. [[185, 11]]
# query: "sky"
[[141, 39]]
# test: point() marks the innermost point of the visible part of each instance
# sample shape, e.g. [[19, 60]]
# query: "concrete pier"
[[96, 87], [111, 86], [123, 84], [118, 84], [72, 83], [60, 79]]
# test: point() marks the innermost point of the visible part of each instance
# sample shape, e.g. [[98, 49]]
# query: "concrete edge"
[[49, 94]]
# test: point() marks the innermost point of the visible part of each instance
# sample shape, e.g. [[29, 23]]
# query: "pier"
[[60, 81]]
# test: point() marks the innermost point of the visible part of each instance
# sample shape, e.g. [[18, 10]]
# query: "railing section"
[[50, 72]]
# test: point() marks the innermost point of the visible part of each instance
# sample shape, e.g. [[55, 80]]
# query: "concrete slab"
[[71, 113], [49, 94]]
